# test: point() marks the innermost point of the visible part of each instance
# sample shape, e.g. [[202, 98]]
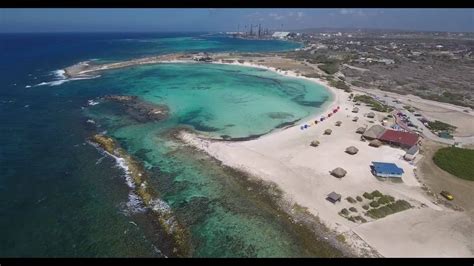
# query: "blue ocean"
[[62, 197]]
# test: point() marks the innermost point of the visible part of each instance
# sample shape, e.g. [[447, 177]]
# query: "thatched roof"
[[360, 130], [371, 115], [355, 110], [315, 143], [338, 172], [352, 150], [355, 118], [375, 143], [338, 123], [374, 132], [327, 131]]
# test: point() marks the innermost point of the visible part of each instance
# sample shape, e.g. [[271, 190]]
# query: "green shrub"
[[376, 193], [359, 198], [365, 207], [352, 209], [374, 204], [344, 211], [329, 68], [367, 196], [351, 200], [384, 200]]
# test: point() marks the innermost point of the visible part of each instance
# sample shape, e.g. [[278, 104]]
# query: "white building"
[[280, 34]]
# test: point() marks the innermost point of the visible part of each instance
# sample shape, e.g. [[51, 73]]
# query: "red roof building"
[[399, 138]]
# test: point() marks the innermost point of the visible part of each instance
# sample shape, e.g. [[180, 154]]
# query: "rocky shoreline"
[[159, 210]]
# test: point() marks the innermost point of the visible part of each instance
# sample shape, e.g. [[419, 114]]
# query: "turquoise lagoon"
[[222, 215], [61, 197]]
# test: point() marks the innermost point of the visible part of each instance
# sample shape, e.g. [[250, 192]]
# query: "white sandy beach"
[[302, 172]]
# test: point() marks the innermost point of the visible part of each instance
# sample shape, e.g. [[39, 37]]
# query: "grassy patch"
[[374, 104], [456, 161], [440, 126], [398, 206]]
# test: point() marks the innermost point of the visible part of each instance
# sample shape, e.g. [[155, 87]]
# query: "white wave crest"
[[92, 102]]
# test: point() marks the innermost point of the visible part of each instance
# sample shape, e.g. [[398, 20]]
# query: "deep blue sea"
[[61, 197]]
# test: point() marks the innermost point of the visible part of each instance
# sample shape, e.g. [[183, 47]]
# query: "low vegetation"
[[397, 206], [456, 161], [440, 126], [351, 199], [381, 205], [368, 196], [329, 68], [340, 85], [374, 104]]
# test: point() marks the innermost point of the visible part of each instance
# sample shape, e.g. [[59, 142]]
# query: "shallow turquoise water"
[[225, 218], [223, 99], [62, 197]]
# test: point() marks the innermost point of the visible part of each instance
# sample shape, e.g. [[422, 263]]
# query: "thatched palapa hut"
[[360, 130], [371, 115], [374, 132], [338, 123], [327, 131], [375, 143], [314, 143], [355, 110], [352, 150], [338, 172], [355, 118]]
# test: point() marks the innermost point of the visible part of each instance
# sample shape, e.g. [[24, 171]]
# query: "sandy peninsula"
[[286, 158]]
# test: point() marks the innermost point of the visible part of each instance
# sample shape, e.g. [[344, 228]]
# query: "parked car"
[[447, 195]]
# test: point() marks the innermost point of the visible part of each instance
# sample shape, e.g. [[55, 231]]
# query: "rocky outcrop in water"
[[159, 209], [140, 110]]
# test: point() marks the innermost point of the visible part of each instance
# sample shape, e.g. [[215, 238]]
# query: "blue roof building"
[[386, 169]]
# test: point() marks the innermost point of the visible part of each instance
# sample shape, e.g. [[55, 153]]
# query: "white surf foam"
[[92, 102]]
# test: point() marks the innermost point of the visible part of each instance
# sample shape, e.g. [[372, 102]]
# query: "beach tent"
[[352, 150], [301, 127], [314, 143], [338, 172], [321, 119], [329, 115], [315, 122], [327, 131]]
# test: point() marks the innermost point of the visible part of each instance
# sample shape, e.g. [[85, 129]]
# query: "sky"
[[228, 19]]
